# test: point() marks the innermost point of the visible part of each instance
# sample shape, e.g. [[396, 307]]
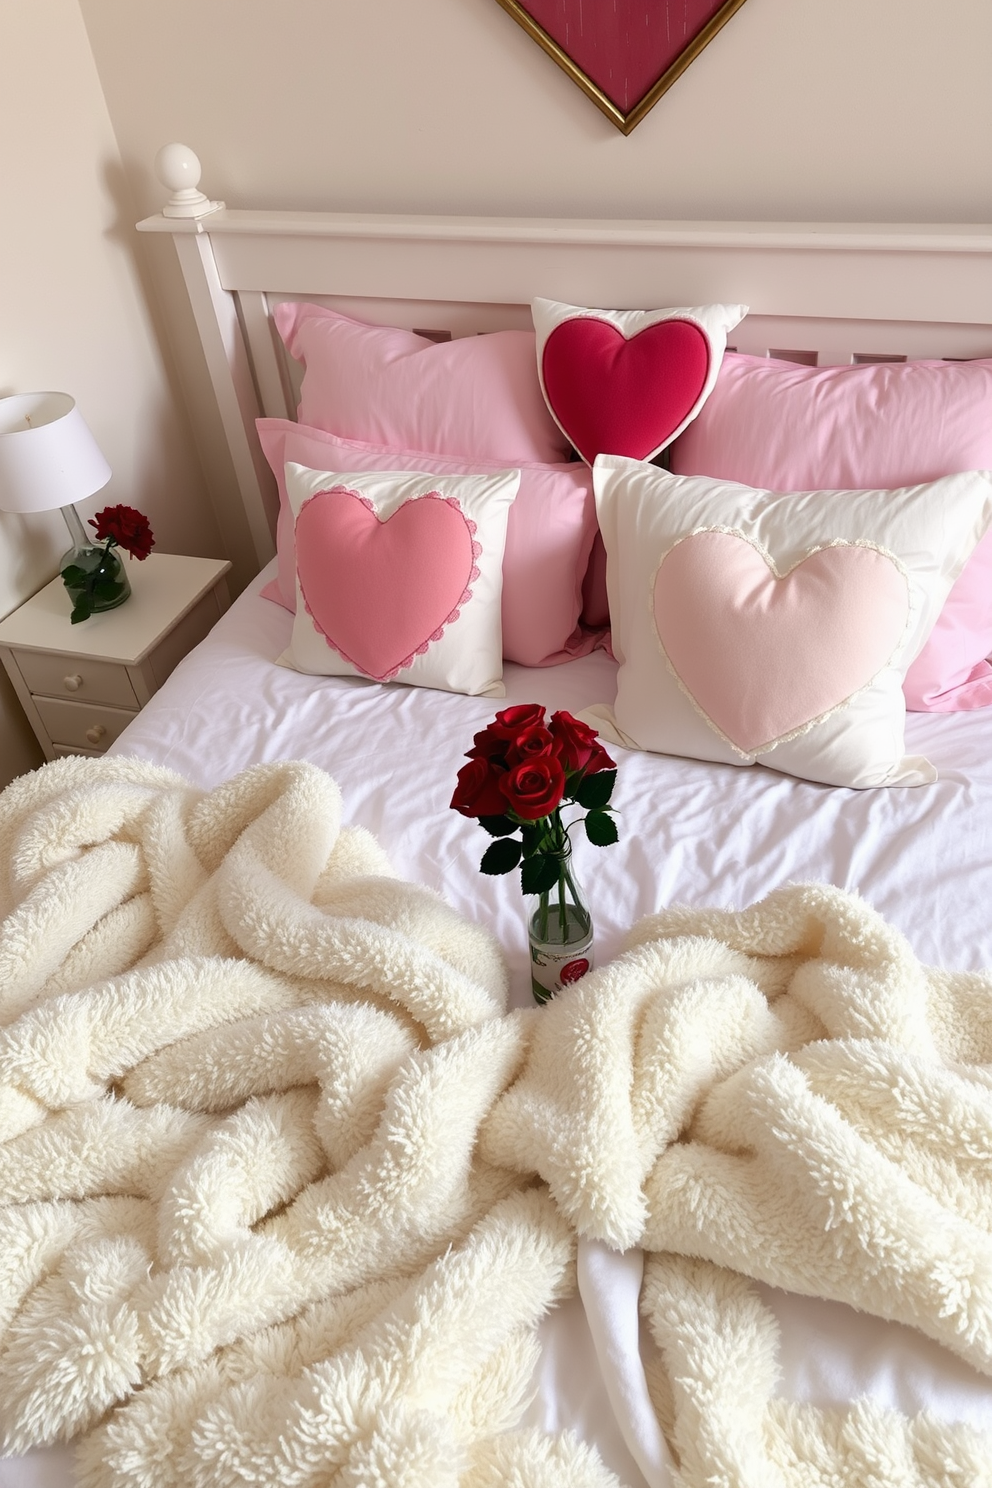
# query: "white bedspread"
[[722, 837]]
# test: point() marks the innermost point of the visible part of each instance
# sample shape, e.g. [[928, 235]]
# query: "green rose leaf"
[[502, 856], [539, 874], [601, 829], [594, 791], [533, 839], [81, 610], [73, 576], [498, 826]]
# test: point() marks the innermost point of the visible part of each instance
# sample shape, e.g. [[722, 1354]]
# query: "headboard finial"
[[178, 168]]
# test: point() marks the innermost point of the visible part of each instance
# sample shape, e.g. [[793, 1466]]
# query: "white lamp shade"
[[48, 457]]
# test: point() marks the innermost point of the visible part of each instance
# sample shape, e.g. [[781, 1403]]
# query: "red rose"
[[477, 792], [488, 746], [513, 721], [535, 787], [126, 527], [530, 744], [575, 743], [598, 760]]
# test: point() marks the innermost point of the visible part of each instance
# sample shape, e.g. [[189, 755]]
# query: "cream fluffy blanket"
[[286, 1191]]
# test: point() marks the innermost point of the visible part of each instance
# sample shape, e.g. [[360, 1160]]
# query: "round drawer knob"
[[96, 733], [73, 682]]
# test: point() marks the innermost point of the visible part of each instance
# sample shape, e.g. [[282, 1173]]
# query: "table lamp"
[[48, 460]]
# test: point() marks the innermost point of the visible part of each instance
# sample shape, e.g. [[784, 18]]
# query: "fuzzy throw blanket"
[[284, 1190]]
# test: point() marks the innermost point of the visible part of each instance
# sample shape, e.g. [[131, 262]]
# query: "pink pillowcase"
[[785, 427], [477, 397], [549, 534]]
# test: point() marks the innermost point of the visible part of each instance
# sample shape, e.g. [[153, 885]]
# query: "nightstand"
[[80, 685]]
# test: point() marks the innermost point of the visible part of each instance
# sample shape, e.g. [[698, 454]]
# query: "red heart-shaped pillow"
[[614, 395]]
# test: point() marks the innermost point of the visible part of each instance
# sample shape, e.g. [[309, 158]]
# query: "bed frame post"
[[248, 529]]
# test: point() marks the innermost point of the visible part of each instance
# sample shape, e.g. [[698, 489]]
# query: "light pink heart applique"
[[381, 592], [763, 657], [614, 396]]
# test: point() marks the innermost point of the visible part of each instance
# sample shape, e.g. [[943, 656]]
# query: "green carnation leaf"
[[601, 829], [594, 791], [502, 856], [539, 874], [497, 826]]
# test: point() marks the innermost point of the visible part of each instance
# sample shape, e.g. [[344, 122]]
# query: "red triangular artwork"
[[623, 53]]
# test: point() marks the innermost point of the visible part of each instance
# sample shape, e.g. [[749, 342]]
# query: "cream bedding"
[[691, 833]]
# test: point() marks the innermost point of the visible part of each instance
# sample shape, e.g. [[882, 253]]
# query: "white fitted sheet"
[[695, 833]]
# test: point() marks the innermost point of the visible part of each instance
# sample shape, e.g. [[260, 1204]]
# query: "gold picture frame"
[[628, 121]]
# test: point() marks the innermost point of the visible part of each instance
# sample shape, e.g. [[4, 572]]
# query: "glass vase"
[[560, 934], [94, 577]]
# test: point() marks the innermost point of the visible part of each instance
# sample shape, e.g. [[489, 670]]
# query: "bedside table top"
[[163, 588]]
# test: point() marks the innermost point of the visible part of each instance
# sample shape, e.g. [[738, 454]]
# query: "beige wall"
[[856, 109], [73, 314]]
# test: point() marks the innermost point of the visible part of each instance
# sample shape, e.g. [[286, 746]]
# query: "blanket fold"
[[285, 1190], [242, 1070]]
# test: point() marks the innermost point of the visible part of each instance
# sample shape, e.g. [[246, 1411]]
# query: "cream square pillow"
[[756, 626], [399, 576]]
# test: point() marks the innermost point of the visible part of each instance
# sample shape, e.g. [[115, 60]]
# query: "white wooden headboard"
[[818, 291]]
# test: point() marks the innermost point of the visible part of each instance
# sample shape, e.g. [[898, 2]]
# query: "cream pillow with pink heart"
[[626, 382], [760, 627], [399, 576]]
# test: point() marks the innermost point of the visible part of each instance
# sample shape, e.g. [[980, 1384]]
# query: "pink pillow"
[[549, 533], [477, 397], [787, 427]]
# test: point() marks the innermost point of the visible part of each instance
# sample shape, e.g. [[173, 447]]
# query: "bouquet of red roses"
[[521, 770]]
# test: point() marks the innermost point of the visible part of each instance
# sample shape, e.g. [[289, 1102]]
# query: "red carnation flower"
[[124, 527]]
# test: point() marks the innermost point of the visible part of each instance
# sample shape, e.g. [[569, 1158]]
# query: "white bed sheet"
[[693, 833]]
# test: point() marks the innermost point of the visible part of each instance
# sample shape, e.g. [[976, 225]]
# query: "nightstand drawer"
[[76, 678], [86, 726]]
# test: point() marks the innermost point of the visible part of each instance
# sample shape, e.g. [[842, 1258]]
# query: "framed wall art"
[[624, 54]]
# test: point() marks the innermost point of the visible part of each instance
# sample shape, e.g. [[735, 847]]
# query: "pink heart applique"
[[762, 656], [614, 396], [380, 592]]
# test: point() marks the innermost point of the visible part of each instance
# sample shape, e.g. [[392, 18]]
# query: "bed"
[[693, 832]]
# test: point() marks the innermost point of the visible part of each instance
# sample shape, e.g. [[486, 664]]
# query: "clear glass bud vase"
[[560, 933], [94, 576]]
